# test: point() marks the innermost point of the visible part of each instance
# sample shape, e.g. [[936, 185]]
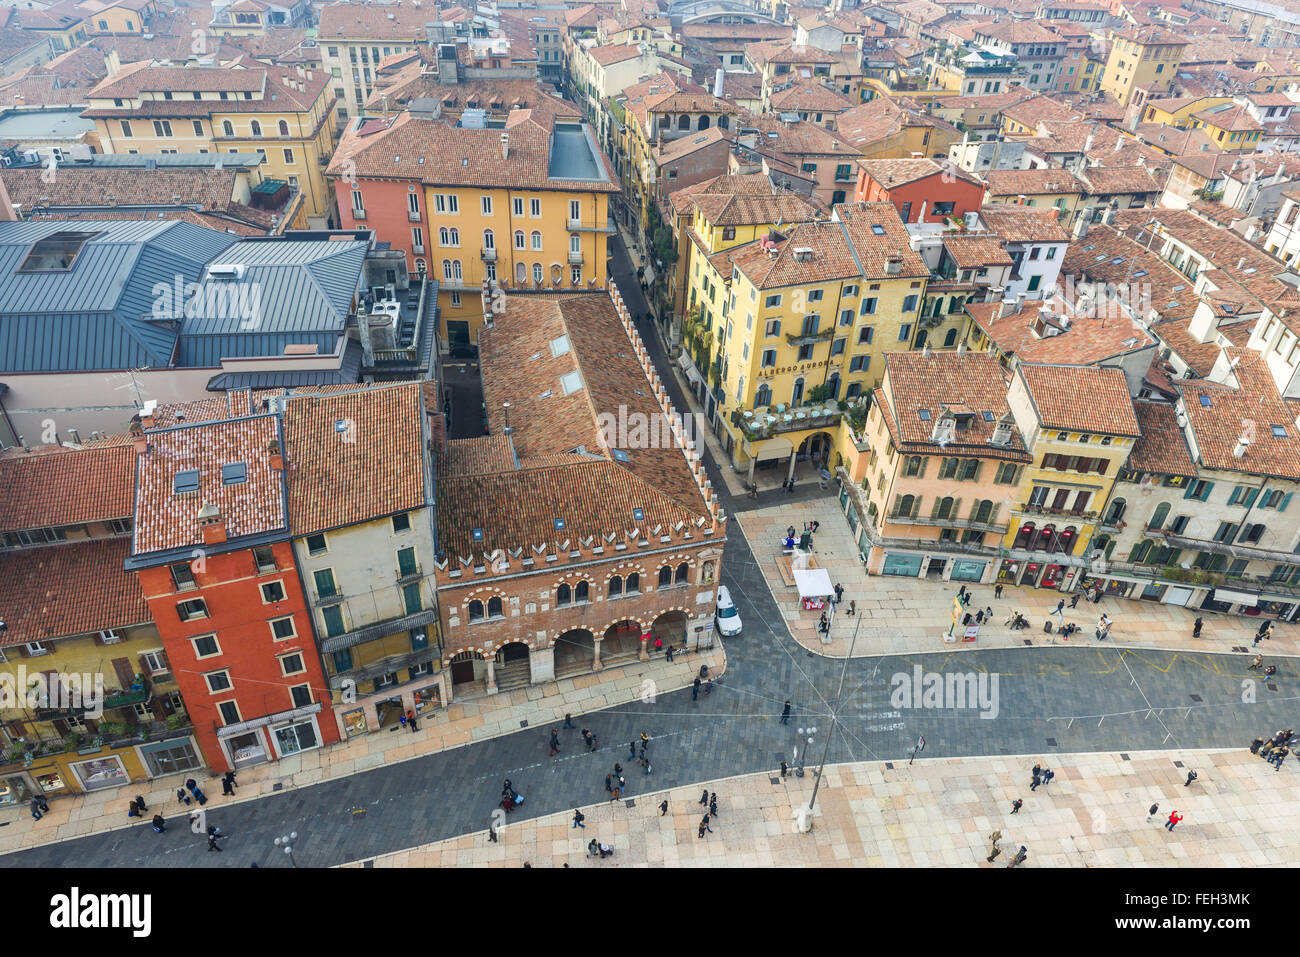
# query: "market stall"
[[814, 586]]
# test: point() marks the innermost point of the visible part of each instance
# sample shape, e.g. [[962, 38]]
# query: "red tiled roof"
[[1162, 447], [332, 474], [1081, 398], [69, 487], [76, 588]]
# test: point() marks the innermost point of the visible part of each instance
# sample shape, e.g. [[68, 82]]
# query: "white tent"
[[814, 583]]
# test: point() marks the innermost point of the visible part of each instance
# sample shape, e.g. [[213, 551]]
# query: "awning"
[[764, 449], [684, 360], [814, 583], [1236, 597]]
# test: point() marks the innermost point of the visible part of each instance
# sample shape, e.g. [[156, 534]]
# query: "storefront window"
[[246, 749], [169, 757], [49, 782], [354, 722], [1276, 609], [295, 738], [427, 698], [15, 790], [1052, 577], [909, 565], [101, 773], [1008, 571], [965, 570]]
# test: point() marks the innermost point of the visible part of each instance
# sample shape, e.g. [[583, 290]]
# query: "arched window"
[[538, 274], [1139, 554], [454, 236], [521, 272], [256, 127], [724, 122], [476, 610], [920, 340], [1065, 541], [1046, 536], [444, 237], [950, 339], [983, 511], [796, 394], [227, 128], [494, 607], [519, 239], [703, 123], [633, 584], [1158, 517], [833, 385], [537, 239], [683, 122], [905, 505], [456, 270], [665, 576], [1024, 536], [446, 269], [1116, 511], [563, 594], [683, 574], [615, 587], [1101, 546], [763, 397], [284, 127], [489, 239], [581, 592], [946, 505]]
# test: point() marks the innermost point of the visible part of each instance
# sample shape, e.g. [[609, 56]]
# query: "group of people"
[[510, 798], [1258, 665], [1275, 749]]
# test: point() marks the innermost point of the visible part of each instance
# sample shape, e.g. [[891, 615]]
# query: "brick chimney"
[[212, 525], [276, 456]]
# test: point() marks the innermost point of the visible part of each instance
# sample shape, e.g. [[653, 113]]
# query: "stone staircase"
[[517, 674]]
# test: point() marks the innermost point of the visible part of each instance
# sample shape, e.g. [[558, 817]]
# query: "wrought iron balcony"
[[1232, 549], [765, 424]]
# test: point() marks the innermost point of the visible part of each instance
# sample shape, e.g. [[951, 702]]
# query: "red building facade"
[[920, 189], [212, 553]]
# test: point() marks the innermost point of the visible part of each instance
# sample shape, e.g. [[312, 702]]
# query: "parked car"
[[726, 617]]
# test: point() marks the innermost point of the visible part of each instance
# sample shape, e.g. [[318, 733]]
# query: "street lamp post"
[[285, 842], [835, 717], [804, 743]]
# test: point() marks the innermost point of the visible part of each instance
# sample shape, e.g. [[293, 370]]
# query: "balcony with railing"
[[973, 525], [862, 506], [114, 698], [766, 423], [1074, 513], [575, 258], [803, 338], [1231, 549], [489, 254]]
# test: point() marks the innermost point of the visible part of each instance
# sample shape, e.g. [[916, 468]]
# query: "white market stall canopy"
[[814, 583]]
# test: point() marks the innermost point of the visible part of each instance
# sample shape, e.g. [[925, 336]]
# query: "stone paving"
[[896, 615], [930, 814], [463, 722]]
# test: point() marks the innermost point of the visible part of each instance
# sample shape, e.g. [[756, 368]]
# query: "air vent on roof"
[[620, 456], [476, 534], [546, 395], [638, 515], [559, 524], [236, 473], [187, 481], [226, 271]]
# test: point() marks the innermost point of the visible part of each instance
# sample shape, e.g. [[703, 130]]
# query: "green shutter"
[[1232, 499], [1205, 494], [916, 507], [934, 509], [1191, 489], [1286, 500], [1250, 497]]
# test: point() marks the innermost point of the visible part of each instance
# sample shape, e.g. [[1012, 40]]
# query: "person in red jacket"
[[1174, 818]]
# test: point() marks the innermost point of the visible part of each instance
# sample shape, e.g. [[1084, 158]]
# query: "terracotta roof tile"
[[1162, 447], [332, 468], [69, 487], [76, 588], [1022, 224], [1081, 398], [1027, 182], [899, 172]]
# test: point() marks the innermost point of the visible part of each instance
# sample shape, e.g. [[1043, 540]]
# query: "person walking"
[[631, 750], [586, 737], [609, 785], [663, 808], [1016, 805], [785, 713], [785, 769], [183, 796], [1196, 627], [1074, 601], [159, 825], [36, 810], [228, 784], [704, 798], [669, 653], [695, 689], [1047, 776], [578, 818], [212, 842], [593, 744], [1174, 818], [1256, 745], [853, 606], [1020, 857], [492, 834], [1191, 776], [839, 593], [979, 617], [1270, 671], [568, 722], [1257, 663], [704, 823], [645, 762], [1151, 811], [1060, 610], [708, 686], [997, 591], [1038, 774], [1281, 756], [645, 740], [701, 831], [412, 722], [555, 743], [713, 804]]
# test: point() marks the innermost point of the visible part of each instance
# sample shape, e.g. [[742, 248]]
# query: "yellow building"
[[94, 702], [1079, 426], [280, 112], [1230, 127], [931, 469], [1142, 58], [790, 325], [526, 206], [122, 16], [1177, 111]]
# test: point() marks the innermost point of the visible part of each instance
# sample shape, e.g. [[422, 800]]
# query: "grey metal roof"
[[348, 372], [291, 292], [96, 315], [165, 160]]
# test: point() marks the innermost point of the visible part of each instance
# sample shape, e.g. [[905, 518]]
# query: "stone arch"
[[621, 640], [670, 626], [574, 651], [469, 670]]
